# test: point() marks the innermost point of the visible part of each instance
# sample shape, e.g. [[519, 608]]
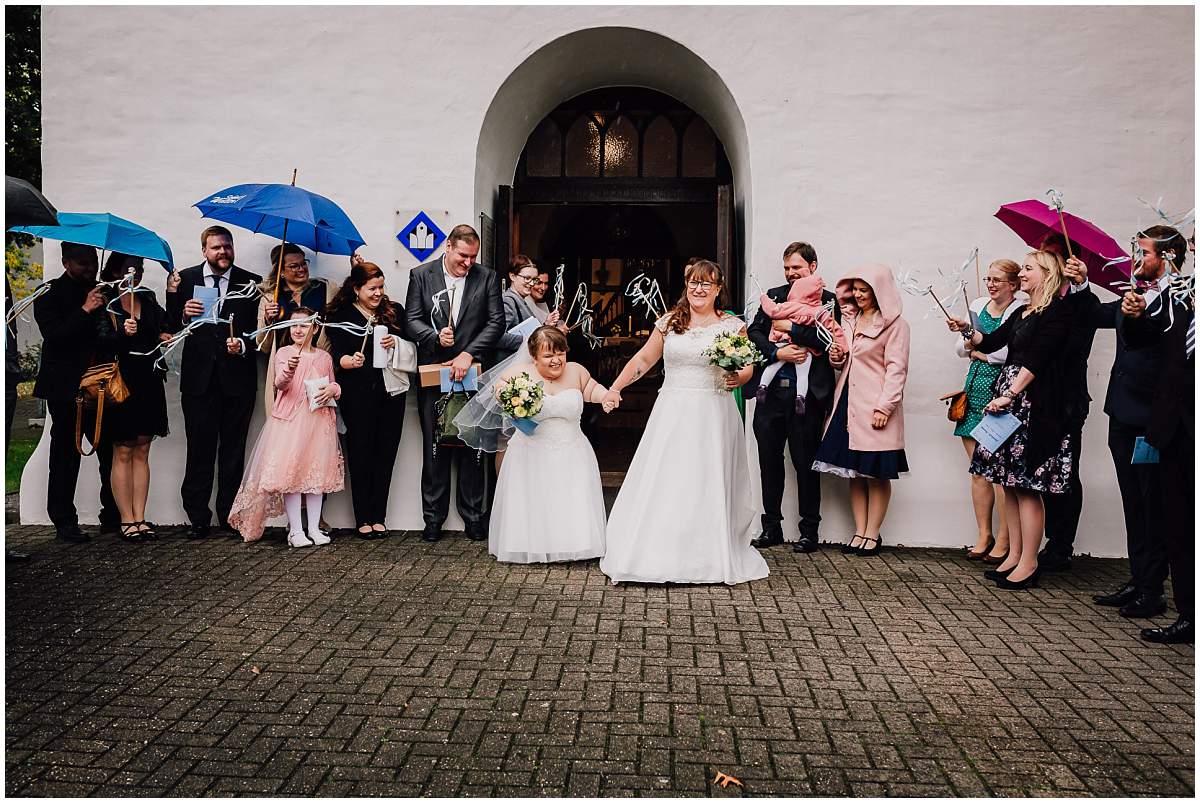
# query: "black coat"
[[343, 343], [480, 318], [821, 380], [69, 337], [1042, 343], [1134, 372], [1173, 404], [204, 352]]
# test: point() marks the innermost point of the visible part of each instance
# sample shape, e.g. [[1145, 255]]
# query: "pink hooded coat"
[[877, 364]]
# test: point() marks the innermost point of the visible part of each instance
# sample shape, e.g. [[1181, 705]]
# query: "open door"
[[506, 234], [725, 235]]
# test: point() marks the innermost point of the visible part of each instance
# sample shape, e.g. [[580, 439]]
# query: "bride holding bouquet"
[[684, 513], [534, 401]]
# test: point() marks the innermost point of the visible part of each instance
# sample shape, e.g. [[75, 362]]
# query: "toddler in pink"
[[803, 306]]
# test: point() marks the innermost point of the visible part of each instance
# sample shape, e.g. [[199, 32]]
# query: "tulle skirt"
[[684, 513], [549, 504], [297, 456]]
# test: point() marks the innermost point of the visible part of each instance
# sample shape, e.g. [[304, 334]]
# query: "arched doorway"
[[614, 183]]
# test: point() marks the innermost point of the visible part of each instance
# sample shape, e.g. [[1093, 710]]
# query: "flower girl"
[[296, 457]]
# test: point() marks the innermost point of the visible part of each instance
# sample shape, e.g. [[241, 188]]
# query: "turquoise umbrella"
[[106, 231]]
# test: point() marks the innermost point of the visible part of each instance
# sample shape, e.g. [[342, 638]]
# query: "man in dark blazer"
[[455, 314], [1171, 328], [218, 379], [1128, 405], [68, 316], [777, 419]]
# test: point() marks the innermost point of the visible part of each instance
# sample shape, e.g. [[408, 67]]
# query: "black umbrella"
[[24, 205]]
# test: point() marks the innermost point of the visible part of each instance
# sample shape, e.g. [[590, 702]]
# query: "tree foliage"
[[23, 98]]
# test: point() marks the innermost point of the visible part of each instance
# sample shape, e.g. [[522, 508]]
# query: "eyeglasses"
[[529, 281], [295, 265], [541, 283], [698, 285]]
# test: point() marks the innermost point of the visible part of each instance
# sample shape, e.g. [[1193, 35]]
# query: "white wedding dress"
[[684, 513], [549, 505]]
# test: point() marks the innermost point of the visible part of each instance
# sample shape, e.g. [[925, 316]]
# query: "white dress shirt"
[[455, 284]]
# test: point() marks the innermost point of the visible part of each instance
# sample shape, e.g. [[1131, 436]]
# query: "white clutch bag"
[[404, 356], [311, 388]]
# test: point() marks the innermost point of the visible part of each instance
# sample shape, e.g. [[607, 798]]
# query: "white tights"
[[291, 503]]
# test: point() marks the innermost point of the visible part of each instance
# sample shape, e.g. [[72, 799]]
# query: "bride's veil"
[[481, 424]]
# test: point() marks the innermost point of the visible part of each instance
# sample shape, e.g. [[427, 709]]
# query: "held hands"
[[1075, 271], [94, 300], [387, 341], [293, 363], [956, 324], [998, 405], [131, 326], [979, 355], [836, 356], [326, 393], [610, 401], [879, 420], [553, 318], [735, 379], [446, 337], [233, 345], [173, 281], [271, 312], [793, 354], [784, 326], [1133, 304], [460, 365], [354, 360]]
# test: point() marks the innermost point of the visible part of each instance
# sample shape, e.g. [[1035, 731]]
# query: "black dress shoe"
[[431, 533], [1020, 585], [769, 538], [865, 552], [1180, 632], [1126, 595], [996, 575], [477, 533], [198, 531], [805, 544], [1144, 607], [72, 535], [1052, 562], [850, 548]]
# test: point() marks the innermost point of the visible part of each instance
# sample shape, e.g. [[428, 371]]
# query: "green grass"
[[19, 449]]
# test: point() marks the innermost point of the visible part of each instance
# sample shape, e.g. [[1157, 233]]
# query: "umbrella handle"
[[1062, 221]]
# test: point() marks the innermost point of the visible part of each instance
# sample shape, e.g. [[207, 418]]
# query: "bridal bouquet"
[[733, 352], [521, 399]]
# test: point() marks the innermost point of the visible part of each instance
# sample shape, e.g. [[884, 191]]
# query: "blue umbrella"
[[106, 231], [288, 213]]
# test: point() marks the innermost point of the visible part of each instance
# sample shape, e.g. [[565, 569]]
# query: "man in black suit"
[[777, 416], [1128, 405], [1171, 328], [462, 300], [68, 316], [218, 379]]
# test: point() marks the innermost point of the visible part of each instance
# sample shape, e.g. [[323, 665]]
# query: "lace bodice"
[[558, 420], [685, 367]]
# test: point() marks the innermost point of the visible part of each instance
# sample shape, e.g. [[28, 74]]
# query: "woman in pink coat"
[[864, 439]]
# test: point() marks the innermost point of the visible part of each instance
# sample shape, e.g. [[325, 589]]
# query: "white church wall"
[[877, 134]]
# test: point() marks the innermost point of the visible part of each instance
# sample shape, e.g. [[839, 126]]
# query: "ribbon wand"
[[937, 301], [1056, 202], [370, 328]]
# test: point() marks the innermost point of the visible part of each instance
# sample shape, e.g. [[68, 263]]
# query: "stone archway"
[[601, 57]]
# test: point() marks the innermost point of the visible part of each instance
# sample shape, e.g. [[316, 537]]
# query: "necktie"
[[216, 282]]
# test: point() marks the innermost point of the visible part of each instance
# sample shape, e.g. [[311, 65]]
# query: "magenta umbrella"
[[1032, 220]]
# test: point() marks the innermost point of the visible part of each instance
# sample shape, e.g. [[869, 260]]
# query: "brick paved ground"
[[400, 668]]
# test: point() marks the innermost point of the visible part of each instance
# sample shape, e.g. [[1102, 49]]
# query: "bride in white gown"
[[549, 505], [684, 513]]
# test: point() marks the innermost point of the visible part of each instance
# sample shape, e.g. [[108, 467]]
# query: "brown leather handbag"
[[958, 405], [100, 384]]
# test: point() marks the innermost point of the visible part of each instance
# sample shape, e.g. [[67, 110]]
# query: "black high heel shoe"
[[996, 575], [849, 548], [863, 552], [973, 555], [1019, 585]]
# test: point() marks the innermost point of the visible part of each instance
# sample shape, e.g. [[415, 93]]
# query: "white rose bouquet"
[[733, 352], [520, 400]]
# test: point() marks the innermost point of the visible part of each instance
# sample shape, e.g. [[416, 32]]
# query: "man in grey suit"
[[454, 312]]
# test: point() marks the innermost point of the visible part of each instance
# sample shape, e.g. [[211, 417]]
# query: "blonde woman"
[[987, 315], [1034, 386]]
